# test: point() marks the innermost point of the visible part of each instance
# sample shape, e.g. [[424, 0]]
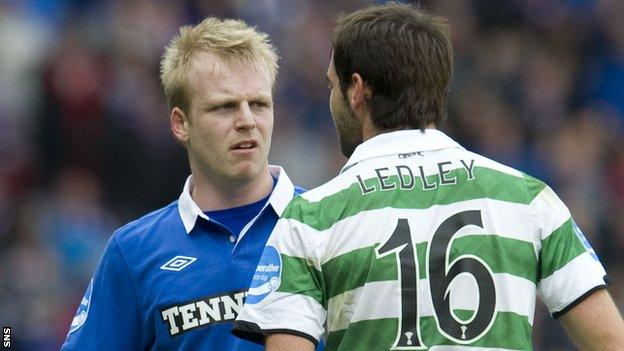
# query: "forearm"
[[287, 342], [595, 324]]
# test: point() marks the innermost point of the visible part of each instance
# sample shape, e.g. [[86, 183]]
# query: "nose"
[[245, 118]]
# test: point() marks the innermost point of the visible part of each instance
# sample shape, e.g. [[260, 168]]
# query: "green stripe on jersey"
[[488, 183], [421, 254], [300, 278], [509, 331], [353, 269], [534, 186], [559, 248], [502, 255]]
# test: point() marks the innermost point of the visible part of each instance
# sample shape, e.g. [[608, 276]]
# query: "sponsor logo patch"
[[83, 310], [267, 277], [203, 312], [584, 240], [178, 263]]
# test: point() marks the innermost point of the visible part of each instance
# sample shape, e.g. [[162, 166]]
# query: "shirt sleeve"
[[286, 293], [108, 317], [569, 270]]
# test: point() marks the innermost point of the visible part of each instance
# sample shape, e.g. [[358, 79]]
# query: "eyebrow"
[[221, 100]]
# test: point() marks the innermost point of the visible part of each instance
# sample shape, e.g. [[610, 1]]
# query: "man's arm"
[[288, 342], [594, 324], [108, 317], [286, 294]]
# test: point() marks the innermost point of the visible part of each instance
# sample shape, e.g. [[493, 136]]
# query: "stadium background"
[[85, 145]]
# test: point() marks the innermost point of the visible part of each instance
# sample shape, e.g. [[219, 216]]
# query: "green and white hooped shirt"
[[420, 244]]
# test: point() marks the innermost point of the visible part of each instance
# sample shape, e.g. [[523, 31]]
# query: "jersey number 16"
[[441, 274]]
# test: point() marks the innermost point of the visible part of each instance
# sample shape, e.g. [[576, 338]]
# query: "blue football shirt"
[[175, 279], [235, 219]]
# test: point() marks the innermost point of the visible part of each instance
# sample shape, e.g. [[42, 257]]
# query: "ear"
[[359, 92], [179, 125]]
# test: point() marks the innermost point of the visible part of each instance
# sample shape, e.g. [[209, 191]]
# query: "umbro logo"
[[178, 263]]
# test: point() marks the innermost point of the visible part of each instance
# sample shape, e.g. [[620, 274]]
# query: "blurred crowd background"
[[85, 143]]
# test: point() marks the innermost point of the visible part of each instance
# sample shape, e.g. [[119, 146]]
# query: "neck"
[[212, 195], [369, 130]]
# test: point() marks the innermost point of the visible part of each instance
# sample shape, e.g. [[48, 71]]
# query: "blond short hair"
[[233, 41]]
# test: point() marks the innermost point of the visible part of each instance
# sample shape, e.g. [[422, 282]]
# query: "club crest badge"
[[584, 241], [83, 310], [267, 277]]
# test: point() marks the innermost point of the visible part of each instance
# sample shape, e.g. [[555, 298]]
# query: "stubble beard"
[[349, 131]]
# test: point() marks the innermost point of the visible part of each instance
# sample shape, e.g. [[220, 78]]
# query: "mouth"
[[246, 145]]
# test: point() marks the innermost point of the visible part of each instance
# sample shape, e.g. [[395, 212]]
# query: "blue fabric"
[[235, 219], [135, 304]]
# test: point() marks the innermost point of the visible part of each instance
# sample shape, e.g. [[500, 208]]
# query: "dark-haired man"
[[418, 243]]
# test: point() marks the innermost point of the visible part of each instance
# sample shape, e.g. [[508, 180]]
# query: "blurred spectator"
[[75, 225], [71, 120], [30, 283]]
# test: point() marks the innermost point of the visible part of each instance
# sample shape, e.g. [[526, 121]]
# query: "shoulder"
[[149, 227], [315, 207], [481, 161], [330, 188], [514, 181]]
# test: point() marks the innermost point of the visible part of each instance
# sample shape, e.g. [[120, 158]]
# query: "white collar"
[[280, 197], [400, 142]]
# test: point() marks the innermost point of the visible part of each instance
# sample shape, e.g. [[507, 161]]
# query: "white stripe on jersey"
[[549, 211], [558, 290], [283, 304], [368, 228], [454, 155]]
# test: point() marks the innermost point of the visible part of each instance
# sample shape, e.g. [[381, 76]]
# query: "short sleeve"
[[108, 317], [569, 269], [286, 293]]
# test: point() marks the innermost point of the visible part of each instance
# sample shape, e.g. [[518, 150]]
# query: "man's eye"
[[258, 104], [225, 107]]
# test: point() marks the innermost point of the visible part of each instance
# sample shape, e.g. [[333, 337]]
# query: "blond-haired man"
[[176, 278]]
